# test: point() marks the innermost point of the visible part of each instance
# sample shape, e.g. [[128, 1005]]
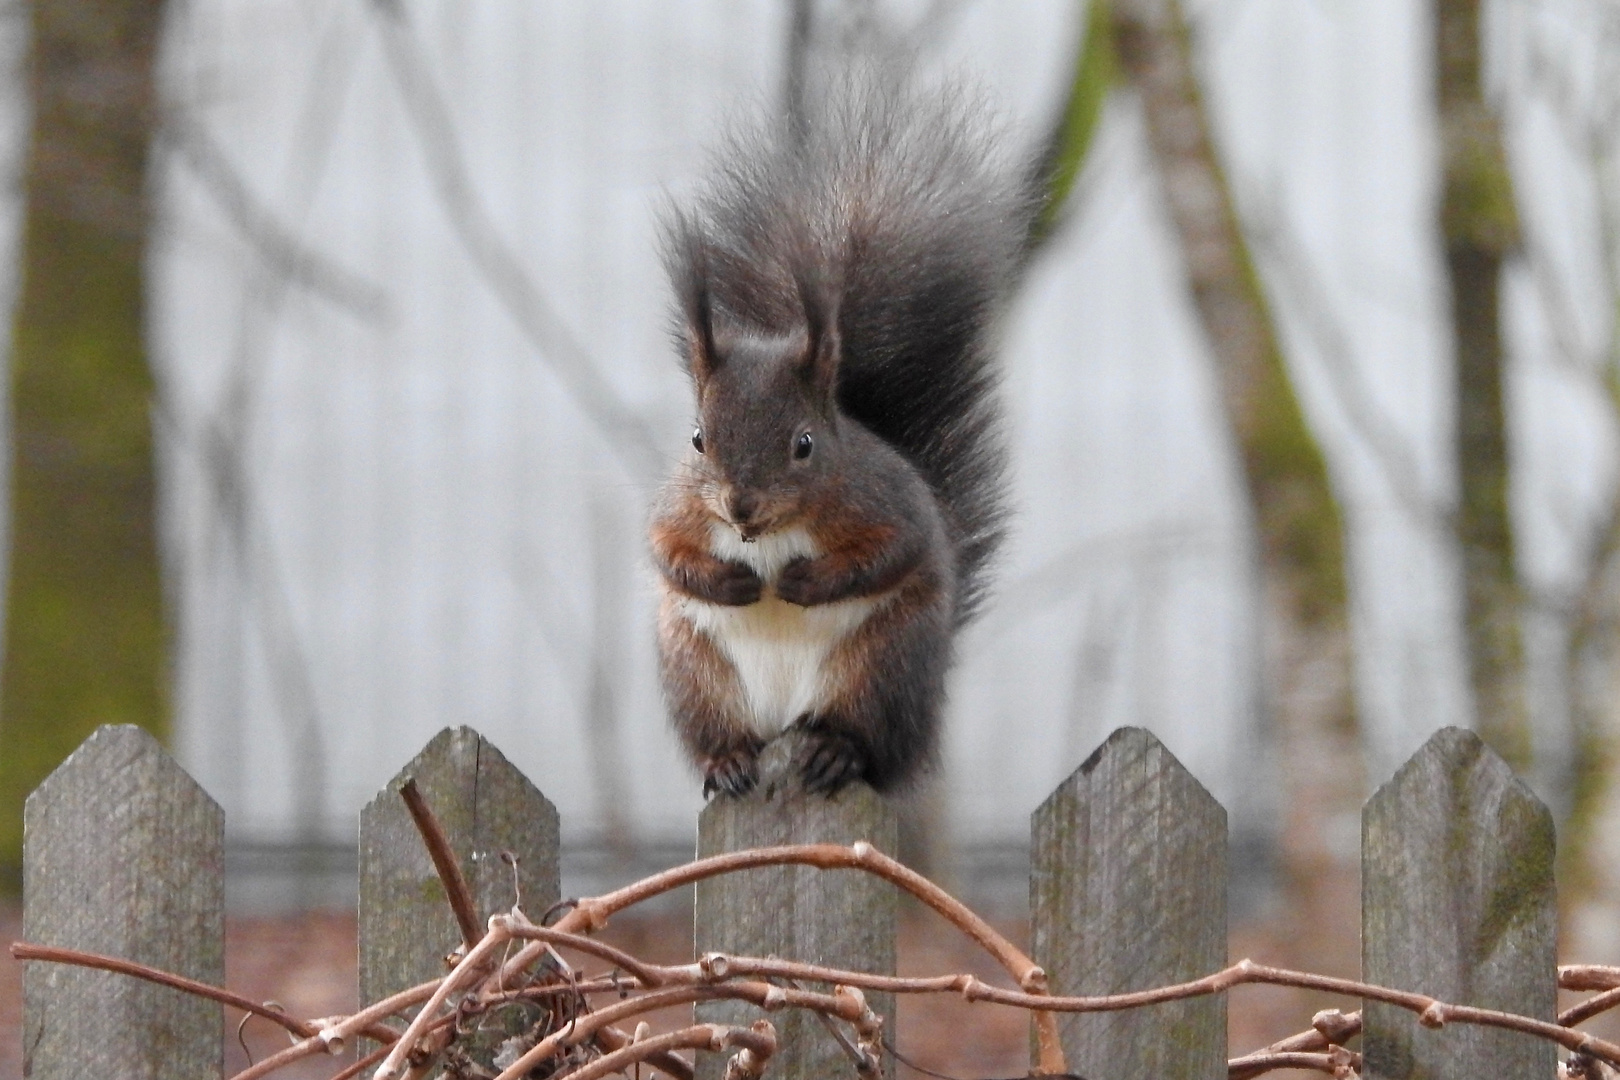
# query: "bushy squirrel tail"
[[902, 204]]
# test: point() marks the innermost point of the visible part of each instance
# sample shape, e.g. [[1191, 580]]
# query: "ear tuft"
[[689, 269], [824, 348]]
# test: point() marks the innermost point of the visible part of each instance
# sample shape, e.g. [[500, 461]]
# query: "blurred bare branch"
[[1298, 279], [627, 434], [285, 253]]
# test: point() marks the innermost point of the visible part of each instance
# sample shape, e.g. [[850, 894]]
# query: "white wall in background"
[[388, 515]]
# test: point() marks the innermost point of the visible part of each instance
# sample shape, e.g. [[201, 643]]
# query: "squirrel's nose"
[[743, 507]]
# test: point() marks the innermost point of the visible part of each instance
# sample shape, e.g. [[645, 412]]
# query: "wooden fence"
[[123, 856]]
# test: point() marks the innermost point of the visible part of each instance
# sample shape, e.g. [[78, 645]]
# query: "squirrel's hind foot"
[[734, 772]]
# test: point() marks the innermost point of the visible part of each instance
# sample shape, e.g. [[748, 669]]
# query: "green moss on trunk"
[[1297, 519], [85, 638]]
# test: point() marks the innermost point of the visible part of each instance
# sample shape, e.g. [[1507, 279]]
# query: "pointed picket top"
[[123, 854], [1128, 892], [837, 918], [1458, 903], [485, 806]]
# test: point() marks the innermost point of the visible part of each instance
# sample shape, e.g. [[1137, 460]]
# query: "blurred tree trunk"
[[1478, 228], [1286, 477], [84, 639], [1306, 711]]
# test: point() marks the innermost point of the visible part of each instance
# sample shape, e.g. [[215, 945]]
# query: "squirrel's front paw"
[[831, 761], [799, 584], [734, 772], [737, 586]]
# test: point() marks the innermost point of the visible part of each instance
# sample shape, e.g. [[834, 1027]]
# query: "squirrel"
[[836, 278]]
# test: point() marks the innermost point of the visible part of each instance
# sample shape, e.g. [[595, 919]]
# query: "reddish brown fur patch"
[[680, 541], [701, 686]]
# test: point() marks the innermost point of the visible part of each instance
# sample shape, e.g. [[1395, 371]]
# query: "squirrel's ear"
[[824, 349], [704, 357], [688, 258]]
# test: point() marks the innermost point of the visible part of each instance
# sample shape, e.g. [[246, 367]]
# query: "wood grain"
[[123, 854], [485, 806], [840, 918], [1458, 902], [1128, 892]]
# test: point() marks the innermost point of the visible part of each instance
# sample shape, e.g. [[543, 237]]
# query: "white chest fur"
[[779, 649]]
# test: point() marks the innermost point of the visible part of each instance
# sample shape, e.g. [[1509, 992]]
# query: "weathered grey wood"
[[840, 918], [485, 806], [1128, 892], [1457, 901], [123, 854]]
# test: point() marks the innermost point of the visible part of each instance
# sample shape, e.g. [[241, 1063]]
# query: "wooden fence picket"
[[486, 806], [840, 918], [1457, 902], [123, 855], [1128, 892]]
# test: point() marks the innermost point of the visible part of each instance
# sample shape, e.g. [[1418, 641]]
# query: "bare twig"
[[764, 995], [1330, 1063], [467, 969], [359, 1023], [445, 862], [362, 1065], [1330, 1027], [649, 975], [759, 1041], [1592, 1006], [1588, 977], [666, 1061], [22, 950]]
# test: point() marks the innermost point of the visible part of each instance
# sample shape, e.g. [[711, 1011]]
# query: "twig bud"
[[331, 1038], [1335, 1026]]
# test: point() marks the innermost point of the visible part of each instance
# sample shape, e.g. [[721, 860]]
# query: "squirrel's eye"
[[697, 439], [802, 446]]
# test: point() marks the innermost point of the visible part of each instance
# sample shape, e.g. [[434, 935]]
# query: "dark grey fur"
[[898, 204]]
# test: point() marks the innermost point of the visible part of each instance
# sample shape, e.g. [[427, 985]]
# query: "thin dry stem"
[[468, 968], [1328, 1028], [1592, 1006], [445, 862], [1588, 977], [667, 1061], [362, 1065], [765, 996], [1258, 1064], [714, 1037], [649, 975], [359, 1023], [22, 950]]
